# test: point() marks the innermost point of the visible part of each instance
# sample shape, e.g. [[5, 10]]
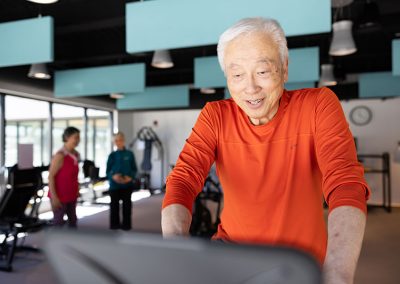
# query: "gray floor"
[[379, 261], [380, 256], [32, 268]]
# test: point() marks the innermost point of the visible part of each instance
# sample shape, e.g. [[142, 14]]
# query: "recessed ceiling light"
[[327, 77], [207, 91], [162, 59], [342, 42], [116, 96], [43, 1], [39, 71]]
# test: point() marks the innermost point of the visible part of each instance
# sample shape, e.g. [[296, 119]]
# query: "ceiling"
[[91, 33]]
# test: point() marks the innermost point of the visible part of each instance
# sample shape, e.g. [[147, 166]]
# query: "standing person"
[[277, 152], [121, 171], [63, 179]]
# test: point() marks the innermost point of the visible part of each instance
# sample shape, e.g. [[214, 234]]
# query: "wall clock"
[[361, 115]]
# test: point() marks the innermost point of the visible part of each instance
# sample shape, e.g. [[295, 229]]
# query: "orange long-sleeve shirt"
[[274, 175]]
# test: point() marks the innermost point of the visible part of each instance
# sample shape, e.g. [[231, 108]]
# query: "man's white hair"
[[250, 25], [119, 134]]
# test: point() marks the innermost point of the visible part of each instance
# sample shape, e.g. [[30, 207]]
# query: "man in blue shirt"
[[121, 173]]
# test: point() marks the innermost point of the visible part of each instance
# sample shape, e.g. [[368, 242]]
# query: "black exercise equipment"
[[202, 224], [24, 185], [91, 174]]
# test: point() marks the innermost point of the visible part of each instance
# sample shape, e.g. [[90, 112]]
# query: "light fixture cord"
[[40, 11], [339, 13]]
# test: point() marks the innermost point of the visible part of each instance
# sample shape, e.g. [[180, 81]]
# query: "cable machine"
[[150, 138]]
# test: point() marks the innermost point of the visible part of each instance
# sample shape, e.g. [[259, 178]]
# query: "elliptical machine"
[[202, 222]]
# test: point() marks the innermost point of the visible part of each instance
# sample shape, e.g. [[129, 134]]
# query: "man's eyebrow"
[[266, 60], [233, 65]]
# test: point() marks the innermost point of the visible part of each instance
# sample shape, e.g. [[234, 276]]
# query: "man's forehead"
[[238, 62]]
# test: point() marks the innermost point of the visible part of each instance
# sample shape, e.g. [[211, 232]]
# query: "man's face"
[[255, 75], [119, 141]]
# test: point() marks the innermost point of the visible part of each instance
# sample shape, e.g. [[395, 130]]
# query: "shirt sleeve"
[[352, 194], [109, 168], [133, 166], [343, 180], [194, 162]]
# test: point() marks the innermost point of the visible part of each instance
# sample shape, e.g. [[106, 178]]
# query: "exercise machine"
[[79, 257], [91, 175], [149, 138], [24, 185], [203, 224]]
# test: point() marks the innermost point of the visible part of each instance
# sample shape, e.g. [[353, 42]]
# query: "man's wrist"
[[332, 276]]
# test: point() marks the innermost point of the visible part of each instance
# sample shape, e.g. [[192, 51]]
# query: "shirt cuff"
[[351, 194], [177, 197]]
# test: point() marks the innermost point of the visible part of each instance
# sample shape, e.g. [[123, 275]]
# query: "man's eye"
[[264, 72], [237, 75]]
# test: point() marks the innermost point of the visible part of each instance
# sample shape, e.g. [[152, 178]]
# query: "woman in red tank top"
[[63, 179]]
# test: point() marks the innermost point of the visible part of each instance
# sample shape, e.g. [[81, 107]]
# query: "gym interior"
[[146, 69]]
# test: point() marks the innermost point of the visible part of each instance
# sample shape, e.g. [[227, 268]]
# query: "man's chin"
[[254, 115]]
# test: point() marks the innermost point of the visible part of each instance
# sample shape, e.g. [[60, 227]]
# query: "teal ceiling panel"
[[156, 97], [152, 25], [396, 57], [26, 42], [100, 80], [208, 73], [303, 64], [378, 84]]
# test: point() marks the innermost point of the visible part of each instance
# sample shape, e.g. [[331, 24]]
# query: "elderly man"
[[277, 154], [121, 171]]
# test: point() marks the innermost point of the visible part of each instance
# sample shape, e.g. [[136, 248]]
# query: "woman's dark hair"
[[68, 132]]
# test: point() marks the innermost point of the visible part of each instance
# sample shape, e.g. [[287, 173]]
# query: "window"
[[26, 123], [99, 138], [64, 116]]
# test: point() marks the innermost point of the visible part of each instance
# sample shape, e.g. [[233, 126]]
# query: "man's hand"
[[175, 220], [118, 178], [127, 179], [346, 225]]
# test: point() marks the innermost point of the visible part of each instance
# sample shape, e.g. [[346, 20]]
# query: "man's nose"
[[252, 86]]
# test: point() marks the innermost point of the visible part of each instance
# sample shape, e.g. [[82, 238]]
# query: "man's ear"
[[286, 70]]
